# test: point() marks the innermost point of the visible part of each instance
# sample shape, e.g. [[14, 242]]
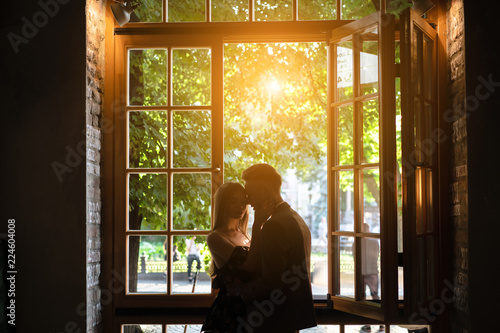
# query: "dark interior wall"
[[43, 81], [483, 106]]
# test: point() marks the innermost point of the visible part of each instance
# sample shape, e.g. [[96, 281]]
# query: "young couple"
[[264, 282]]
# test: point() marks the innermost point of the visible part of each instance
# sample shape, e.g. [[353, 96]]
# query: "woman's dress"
[[222, 315]]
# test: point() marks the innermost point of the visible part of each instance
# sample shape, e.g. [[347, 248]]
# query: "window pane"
[[148, 139], [183, 328], [346, 200], [147, 201], [147, 264], [273, 10], [190, 272], [192, 200], [142, 328], [344, 71], [191, 79], [370, 131], [147, 77], [346, 135], [353, 10], [179, 11], [317, 10], [369, 63], [370, 268], [347, 269], [323, 329], [371, 199], [192, 139], [147, 11], [229, 10]]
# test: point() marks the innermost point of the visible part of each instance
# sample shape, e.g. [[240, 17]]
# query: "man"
[[281, 301]]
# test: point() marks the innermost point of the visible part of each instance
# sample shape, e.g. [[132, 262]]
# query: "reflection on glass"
[[370, 262], [178, 11], [191, 76], [147, 77], [147, 11], [347, 268], [192, 139], [427, 70], [147, 264], [344, 71], [147, 201], [190, 272], [368, 62], [346, 200], [346, 135], [273, 10], [229, 10], [353, 10], [142, 328], [148, 139], [191, 201], [370, 131], [317, 10], [371, 199]]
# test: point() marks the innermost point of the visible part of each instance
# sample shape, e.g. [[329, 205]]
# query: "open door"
[[362, 164]]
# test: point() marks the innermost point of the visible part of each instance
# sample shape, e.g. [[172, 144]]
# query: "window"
[[196, 112]]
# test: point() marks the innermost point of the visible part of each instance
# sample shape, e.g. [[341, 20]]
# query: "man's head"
[[262, 183]]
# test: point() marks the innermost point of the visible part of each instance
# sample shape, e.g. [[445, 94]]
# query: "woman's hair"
[[222, 199]]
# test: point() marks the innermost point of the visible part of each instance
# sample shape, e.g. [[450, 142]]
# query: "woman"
[[232, 256]]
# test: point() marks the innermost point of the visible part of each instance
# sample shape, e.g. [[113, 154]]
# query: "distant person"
[[234, 256], [193, 254], [281, 298], [370, 249]]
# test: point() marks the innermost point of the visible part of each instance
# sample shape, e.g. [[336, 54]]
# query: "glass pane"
[[183, 328], [371, 137], [191, 79], [369, 63], [417, 61], [147, 11], [346, 135], [273, 10], [147, 264], [344, 71], [399, 168], [347, 269], [371, 199], [420, 200], [427, 54], [370, 267], [346, 200], [179, 11], [319, 259], [192, 139], [142, 328], [148, 139], [192, 200], [147, 77], [317, 10], [322, 329], [353, 10], [401, 284], [429, 201], [190, 271], [229, 10], [430, 267], [371, 328], [147, 201]]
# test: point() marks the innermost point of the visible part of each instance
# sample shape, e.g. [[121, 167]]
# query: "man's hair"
[[263, 172]]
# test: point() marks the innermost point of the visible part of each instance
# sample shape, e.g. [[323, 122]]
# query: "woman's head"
[[231, 203]]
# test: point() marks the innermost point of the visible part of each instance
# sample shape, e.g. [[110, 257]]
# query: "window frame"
[[144, 35]]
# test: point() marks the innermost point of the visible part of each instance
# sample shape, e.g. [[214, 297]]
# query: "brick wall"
[[95, 13], [458, 165]]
